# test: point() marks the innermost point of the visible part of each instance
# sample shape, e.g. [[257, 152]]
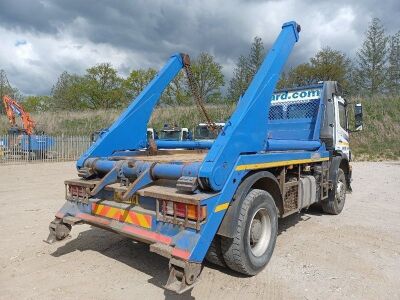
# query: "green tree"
[[256, 56], [176, 92], [327, 64], [303, 74], [240, 79], [103, 88], [393, 74], [371, 59], [67, 93], [137, 81], [283, 81], [207, 73], [300, 75], [245, 69], [37, 103]]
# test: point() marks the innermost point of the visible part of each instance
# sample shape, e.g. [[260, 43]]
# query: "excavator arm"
[[9, 112], [13, 108]]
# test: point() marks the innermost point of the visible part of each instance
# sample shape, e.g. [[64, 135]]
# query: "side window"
[[342, 116]]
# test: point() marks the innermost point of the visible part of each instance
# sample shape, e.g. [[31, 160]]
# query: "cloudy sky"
[[42, 38]]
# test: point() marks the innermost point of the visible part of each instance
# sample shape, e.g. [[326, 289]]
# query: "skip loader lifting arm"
[[174, 200], [244, 124], [129, 130]]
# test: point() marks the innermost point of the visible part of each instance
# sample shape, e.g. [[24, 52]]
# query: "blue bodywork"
[[30, 143], [249, 141], [37, 143], [129, 131]]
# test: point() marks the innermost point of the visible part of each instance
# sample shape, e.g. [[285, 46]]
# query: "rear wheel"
[[214, 254], [251, 248], [337, 196]]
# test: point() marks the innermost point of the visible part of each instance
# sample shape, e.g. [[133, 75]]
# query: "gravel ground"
[[355, 255]]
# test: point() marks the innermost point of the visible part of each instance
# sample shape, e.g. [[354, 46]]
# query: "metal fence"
[[22, 148]]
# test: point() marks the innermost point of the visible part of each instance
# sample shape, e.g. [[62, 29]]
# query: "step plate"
[[172, 194]]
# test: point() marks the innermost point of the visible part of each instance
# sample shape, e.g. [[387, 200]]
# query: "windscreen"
[[170, 135], [205, 133]]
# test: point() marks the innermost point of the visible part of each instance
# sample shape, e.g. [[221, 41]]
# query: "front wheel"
[[250, 250], [337, 196]]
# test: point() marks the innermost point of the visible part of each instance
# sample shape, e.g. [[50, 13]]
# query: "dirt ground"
[[355, 255]]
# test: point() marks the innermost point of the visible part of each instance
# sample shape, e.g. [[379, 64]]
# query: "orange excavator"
[[24, 141], [13, 108]]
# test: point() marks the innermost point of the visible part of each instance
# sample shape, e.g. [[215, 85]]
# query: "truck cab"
[[341, 137], [303, 102], [174, 133], [203, 131], [151, 134]]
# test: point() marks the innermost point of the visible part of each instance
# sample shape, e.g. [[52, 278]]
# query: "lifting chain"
[[195, 91]]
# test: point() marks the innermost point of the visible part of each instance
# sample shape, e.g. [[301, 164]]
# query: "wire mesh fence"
[[22, 148]]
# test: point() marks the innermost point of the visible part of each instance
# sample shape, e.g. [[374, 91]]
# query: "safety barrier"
[[16, 149]]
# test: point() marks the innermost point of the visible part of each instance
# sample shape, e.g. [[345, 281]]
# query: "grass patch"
[[380, 138]]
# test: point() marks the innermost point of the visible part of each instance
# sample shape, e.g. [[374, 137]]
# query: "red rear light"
[[182, 210], [76, 191]]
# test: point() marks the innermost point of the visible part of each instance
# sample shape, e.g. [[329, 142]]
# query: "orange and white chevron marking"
[[121, 215]]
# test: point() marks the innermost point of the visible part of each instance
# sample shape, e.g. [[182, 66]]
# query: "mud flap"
[[182, 275]]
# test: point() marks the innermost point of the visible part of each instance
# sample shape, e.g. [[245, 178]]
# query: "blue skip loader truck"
[[217, 200]]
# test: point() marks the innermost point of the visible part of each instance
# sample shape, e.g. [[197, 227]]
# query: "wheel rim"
[[259, 233], [340, 191]]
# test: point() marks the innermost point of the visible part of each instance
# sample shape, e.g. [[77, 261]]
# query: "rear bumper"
[[136, 233], [147, 232]]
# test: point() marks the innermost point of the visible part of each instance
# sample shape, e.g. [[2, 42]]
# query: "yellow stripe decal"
[[221, 207], [279, 163], [142, 220], [98, 207], [122, 215], [111, 212]]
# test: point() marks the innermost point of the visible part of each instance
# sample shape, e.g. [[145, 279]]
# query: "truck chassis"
[[220, 199]]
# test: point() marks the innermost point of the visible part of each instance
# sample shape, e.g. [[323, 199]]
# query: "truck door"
[[341, 126], [184, 134]]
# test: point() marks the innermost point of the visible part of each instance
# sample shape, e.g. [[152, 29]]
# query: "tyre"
[[214, 254], [337, 196], [251, 248]]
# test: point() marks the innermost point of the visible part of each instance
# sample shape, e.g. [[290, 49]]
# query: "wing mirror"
[[358, 117]]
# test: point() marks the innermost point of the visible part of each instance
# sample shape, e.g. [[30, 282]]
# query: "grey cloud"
[[147, 32]]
